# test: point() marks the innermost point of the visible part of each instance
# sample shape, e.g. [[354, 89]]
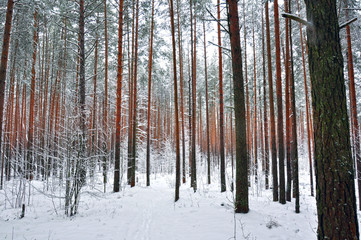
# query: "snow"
[[150, 213]]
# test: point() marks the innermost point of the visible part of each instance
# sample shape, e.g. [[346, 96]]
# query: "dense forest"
[[248, 102]]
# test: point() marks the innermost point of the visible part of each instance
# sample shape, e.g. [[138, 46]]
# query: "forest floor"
[[150, 213]]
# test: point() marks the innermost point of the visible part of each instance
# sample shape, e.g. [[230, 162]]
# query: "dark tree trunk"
[[181, 83], [335, 195], [194, 104], [265, 121], [288, 115], [149, 95], [119, 99], [177, 181], [241, 204], [135, 104], [294, 140], [3, 67]]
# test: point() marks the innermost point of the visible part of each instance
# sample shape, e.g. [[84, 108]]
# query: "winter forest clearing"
[[150, 213], [185, 119]]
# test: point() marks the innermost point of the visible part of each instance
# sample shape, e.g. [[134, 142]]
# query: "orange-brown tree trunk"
[[353, 107], [3, 67], [32, 101], [265, 121], [280, 133], [207, 114], [221, 114], [272, 110]]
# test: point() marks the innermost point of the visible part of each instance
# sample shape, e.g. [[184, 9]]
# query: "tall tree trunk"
[[287, 100], [272, 109], [194, 104], [3, 67], [80, 177], [134, 115], [149, 95], [265, 121], [29, 147], [307, 112], [221, 114], [248, 111], [131, 98], [294, 140], [94, 115], [336, 201], [241, 204], [119, 99], [181, 82], [354, 121], [255, 109], [105, 105], [177, 181], [207, 115], [281, 157]]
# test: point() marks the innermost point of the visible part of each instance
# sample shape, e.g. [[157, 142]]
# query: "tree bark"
[[3, 67], [280, 133], [171, 12], [221, 114], [241, 203], [272, 110], [336, 201], [29, 155], [119, 99], [149, 95]]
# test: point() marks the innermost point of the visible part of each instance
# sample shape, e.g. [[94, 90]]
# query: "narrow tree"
[[3, 67], [29, 174], [281, 157], [265, 121], [177, 181], [105, 105], [221, 114], [181, 93], [307, 112], [294, 140], [207, 114], [194, 104], [135, 104], [119, 99], [149, 94], [287, 106], [353, 104], [272, 109]]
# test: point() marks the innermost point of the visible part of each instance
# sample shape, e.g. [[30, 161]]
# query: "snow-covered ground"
[[150, 213]]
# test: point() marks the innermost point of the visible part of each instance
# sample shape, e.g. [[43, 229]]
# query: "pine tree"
[[241, 203], [336, 201]]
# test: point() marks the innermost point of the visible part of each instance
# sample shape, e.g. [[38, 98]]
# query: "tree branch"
[[297, 19], [347, 23], [215, 19], [220, 46]]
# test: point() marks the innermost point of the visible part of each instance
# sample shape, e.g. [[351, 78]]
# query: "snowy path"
[[149, 213]]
